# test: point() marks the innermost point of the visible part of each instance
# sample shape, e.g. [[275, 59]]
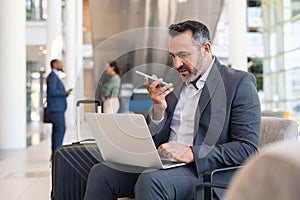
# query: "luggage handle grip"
[[88, 101], [83, 141]]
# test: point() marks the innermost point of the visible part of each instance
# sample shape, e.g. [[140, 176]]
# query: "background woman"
[[110, 88]]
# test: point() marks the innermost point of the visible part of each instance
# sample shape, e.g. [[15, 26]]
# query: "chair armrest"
[[209, 176], [217, 181], [212, 185], [203, 188]]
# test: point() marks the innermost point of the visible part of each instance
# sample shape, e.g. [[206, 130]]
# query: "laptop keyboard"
[[168, 161]]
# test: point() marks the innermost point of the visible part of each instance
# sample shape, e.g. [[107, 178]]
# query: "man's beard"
[[196, 72]]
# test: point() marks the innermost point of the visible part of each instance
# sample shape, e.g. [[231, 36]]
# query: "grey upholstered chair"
[[272, 130], [274, 173]]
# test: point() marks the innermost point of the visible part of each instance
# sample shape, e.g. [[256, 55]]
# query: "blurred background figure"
[[56, 104], [110, 88]]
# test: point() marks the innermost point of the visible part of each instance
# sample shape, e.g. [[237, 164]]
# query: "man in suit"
[[56, 104], [209, 121]]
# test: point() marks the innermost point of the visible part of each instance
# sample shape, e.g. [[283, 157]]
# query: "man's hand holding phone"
[[157, 90], [69, 91]]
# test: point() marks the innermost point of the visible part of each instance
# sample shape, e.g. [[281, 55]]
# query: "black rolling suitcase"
[[71, 166]]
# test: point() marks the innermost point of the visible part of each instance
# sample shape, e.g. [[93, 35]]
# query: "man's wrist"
[[158, 112], [191, 154], [155, 121]]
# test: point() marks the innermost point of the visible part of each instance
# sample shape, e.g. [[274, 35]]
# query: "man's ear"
[[207, 46]]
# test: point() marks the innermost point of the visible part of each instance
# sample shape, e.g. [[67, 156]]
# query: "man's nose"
[[177, 62]]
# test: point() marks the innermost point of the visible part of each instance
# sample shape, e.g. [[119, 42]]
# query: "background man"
[[56, 104]]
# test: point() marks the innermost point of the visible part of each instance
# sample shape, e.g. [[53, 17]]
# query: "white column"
[[54, 33], [237, 33], [73, 55], [70, 56], [79, 50], [12, 75]]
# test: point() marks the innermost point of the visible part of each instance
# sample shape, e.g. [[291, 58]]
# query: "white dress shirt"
[[182, 125]]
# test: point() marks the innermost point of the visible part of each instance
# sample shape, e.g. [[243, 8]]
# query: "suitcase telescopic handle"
[[84, 101]]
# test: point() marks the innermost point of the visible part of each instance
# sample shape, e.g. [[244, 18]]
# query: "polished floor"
[[26, 174]]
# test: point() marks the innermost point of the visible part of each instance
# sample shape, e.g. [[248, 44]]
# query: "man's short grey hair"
[[199, 30]]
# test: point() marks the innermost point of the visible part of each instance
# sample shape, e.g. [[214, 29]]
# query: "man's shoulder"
[[228, 72], [234, 77], [235, 73], [52, 75]]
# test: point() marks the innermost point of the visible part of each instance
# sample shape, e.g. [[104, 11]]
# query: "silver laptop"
[[126, 139]]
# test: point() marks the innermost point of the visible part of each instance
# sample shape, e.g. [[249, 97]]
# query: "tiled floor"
[[26, 174]]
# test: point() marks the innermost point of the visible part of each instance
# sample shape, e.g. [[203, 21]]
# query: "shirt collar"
[[56, 72]]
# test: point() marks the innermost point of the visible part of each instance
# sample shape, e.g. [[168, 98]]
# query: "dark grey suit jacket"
[[227, 121], [56, 94]]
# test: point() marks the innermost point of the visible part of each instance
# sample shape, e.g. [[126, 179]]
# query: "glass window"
[[28, 9], [266, 66], [267, 91], [254, 16], [272, 13], [44, 9], [292, 84], [274, 82], [292, 59], [291, 35], [271, 88], [273, 44], [282, 55], [254, 39], [273, 64], [279, 63], [294, 107], [291, 8], [280, 82], [36, 10]]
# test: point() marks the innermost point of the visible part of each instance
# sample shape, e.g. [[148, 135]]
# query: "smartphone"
[[150, 77]]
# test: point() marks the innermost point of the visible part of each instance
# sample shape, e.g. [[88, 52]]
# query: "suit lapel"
[[213, 91], [209, 88]]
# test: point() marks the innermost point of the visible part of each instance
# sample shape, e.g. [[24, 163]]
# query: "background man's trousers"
[[58, 129]]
